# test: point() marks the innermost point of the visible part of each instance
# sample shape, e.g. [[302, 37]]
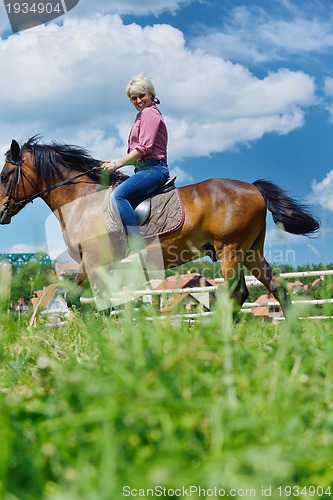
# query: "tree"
[[31, 276]]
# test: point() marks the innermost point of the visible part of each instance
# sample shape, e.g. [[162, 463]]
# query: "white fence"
[[247, 306]]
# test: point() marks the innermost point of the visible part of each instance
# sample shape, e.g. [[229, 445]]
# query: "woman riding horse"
[[147, 150], [223, 217]]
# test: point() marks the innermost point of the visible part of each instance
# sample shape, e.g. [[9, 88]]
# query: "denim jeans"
[[149, 175]]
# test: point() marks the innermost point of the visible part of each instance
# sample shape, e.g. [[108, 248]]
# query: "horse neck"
[[57, 193], [64, 194]]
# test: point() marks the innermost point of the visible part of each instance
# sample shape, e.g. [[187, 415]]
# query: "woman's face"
[[141, 101]]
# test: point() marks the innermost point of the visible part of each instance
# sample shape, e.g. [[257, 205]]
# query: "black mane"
[[48, 157]]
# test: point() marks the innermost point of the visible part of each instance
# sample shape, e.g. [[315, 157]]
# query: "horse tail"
[[287, 213]]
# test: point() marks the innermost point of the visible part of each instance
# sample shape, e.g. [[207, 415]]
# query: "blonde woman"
[[147, 150]]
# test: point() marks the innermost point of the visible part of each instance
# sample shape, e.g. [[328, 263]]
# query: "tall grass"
[[98, 405]]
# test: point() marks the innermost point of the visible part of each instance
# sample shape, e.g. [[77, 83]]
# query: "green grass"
[[100, 404]]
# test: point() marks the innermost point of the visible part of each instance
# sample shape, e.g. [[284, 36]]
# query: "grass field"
[[110, 409]]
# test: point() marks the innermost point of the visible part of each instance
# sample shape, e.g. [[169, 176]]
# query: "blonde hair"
[[140, 84]]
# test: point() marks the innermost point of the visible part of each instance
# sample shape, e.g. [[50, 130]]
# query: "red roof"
[[177, 300], [45, 295], [265, 310], [294, 284], [174, 302], [181, 281], [264, 298]]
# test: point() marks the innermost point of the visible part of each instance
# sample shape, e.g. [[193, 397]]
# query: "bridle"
[[10, 205], [7, 208]]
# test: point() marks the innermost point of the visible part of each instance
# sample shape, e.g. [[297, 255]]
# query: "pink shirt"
[[149, 134]]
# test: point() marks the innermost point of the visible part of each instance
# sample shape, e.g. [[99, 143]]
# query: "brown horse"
[[224, 218]]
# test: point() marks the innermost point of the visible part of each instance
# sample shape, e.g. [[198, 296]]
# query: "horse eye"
[[4, 177]]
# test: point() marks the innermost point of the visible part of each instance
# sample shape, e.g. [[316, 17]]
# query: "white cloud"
[[26, 248], [86, 8], [329, 109], [121, 7], [328, 86], [68, 83], [183, 177], [252, 35], [284, 248], [276, 236], [328, 91], [322, 192]]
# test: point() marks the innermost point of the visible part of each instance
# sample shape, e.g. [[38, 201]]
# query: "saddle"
[[158, 213], [142, 207]]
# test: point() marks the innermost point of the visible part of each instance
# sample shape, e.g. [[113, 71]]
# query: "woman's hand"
[[110, 165], [130, 159]]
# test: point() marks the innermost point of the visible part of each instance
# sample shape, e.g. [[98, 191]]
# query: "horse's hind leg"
[[260, 268], [238, 290]]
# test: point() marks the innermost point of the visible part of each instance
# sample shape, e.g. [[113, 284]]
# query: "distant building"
[[19, 259], [265, 309], [21, 306], [270, 311], [317, 281], [297, 287], [50, 301], [64, 269], [188, 302]]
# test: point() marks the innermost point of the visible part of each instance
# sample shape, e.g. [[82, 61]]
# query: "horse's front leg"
[[230, 258]]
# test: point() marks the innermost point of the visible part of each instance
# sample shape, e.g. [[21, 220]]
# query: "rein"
[[7, 209]]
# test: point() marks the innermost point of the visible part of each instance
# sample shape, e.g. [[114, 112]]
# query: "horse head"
[[16, 185], [36, 170]]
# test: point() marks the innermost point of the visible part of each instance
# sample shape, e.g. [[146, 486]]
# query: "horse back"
[[223, 203], [220, 192]]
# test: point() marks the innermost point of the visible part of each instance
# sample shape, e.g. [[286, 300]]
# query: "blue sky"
[[246, 88]]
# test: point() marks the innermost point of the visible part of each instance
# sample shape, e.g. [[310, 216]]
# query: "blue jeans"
[[149, 175]]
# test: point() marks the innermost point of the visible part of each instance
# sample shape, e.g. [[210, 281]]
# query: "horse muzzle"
[[5, 218], [5, 215]]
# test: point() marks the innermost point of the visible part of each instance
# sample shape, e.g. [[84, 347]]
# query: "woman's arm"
[[129, 159]]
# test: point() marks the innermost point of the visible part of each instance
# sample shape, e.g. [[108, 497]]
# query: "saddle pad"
[[167, 215]]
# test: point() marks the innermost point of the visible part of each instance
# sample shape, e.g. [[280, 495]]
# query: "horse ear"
[[15, 150]]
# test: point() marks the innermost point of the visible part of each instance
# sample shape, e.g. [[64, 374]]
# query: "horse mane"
[[49, 157]]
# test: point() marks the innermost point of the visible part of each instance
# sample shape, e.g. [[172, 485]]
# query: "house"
[[181, 302], [297, 287], [64, 269], [50, 302], [184, 303], [21, 306], [265, 310]]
